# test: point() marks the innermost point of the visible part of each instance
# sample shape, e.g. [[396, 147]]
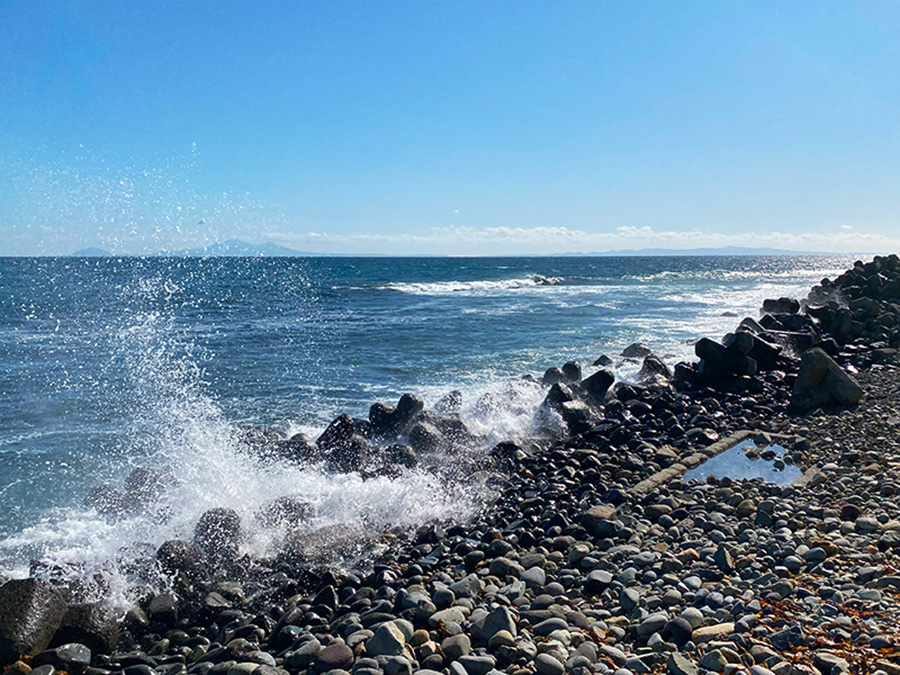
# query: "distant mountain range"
[[723, 250], [238, 248]]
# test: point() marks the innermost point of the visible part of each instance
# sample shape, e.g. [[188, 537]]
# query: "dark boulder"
[[780, 306], [92, 624], [598, 384], [217, 535], [553, 376], [654, 368], [341, 447], [178, 556], [338, 432], [31, 611], [387, 422], [400, 454], [299, 449], [425, 437], [348, 456], [636, 350], [746, 343], [602, 361], [717, 360], [822, 383], [559, 393], [572, 371], [507, 453]]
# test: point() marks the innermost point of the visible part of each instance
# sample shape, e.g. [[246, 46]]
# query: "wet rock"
[[390, 422], [349, 455], [299, 449], [572, 371], [164, 608], [401, 454], [94, 625], [31, 611], [598, 384], [553, 376], [217, 535], [780, 306], [653, 367], [177, 556], [425, 437], [636, 350], [71, 658]]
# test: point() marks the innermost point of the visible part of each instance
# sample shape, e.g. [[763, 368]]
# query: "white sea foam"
[[474, 287]]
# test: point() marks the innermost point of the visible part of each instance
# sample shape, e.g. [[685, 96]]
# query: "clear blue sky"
[[457, 127]]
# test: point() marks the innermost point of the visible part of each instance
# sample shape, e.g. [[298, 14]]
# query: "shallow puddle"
[[734, 464]]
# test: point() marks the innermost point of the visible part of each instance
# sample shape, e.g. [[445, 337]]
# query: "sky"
[[440, 126]]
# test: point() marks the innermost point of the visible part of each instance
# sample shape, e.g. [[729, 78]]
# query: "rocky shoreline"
[[596, 557]]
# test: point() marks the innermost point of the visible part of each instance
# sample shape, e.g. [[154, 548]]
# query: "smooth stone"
[[547, 665]]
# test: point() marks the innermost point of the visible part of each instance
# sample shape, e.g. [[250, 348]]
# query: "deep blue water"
[[107, 364]]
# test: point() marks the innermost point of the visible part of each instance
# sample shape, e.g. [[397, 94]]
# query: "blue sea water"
[[107, 364]]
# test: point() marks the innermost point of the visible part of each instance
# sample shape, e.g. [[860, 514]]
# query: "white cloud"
[[459, 240]]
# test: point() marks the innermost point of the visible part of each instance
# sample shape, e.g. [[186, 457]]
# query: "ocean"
[[109, 364]]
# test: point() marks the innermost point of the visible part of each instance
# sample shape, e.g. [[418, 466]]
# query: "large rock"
[[144, 486], [349, 456], [426, 438], [653, 367], [176, 555], [217, 534], [390, 422], [31, 611], [598, 384], [636, 350], [299, 449], [822, 383], [92, 624], [780, 306], [387, 641]]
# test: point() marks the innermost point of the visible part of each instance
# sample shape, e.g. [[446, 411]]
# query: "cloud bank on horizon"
[[464, 128]]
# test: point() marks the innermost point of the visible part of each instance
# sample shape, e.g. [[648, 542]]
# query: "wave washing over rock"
[[429, 538]]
